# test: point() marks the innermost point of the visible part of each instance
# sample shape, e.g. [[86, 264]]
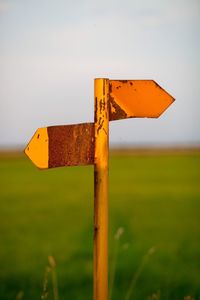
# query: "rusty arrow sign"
[[65, 145], [88, 143]]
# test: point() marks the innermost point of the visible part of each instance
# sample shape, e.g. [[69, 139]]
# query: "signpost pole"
[[101, 115]]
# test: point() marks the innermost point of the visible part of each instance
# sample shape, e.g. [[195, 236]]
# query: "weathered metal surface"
[[58, 146], [137, 99], [101, 190], [71, 145]]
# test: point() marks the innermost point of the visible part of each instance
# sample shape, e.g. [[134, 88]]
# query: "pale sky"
[[51, 51]]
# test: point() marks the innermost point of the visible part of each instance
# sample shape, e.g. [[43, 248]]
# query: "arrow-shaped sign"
[[59, 146], [137, 99], [85, 144]]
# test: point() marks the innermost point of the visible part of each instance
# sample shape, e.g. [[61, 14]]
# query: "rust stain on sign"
[[71, 145], [137, 99]]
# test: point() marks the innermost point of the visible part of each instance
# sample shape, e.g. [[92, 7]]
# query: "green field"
[[154, 198]]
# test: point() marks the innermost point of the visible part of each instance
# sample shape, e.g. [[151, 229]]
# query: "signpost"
[[88, 143]]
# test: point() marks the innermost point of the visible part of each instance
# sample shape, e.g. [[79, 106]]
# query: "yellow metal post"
[[101, 97]]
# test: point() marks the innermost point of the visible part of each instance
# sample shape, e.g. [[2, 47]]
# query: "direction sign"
[[59, 146], [88, 143], [137, 99], [72, 145]]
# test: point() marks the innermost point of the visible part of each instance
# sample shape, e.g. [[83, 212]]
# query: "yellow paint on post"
[[38, 147], [101, 97]]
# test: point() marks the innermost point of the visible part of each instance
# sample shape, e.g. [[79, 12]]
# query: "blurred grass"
[[156, 199]]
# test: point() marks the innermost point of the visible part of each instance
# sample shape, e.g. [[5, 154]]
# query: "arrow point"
[[37, 149], [166, 98]]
